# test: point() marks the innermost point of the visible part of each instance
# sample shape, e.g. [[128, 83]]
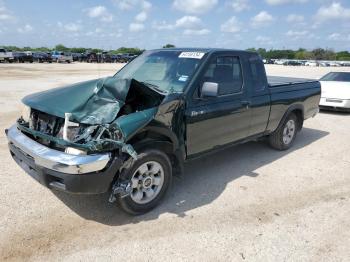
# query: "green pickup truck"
[[129, 134]]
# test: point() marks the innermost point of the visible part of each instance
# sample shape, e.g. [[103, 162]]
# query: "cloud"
[[163, 25], [25, 29], [333, 12], [334, 37], [70, 27], [141, 17], [126, 4], [136, 27], [264, 40], [194, 6], [5, 14], [293, 18], [192, 25], [297, 34], [100, 12], [203, 31], [338, 37], [239, 5], [189, 22], [262, 19], [133, 4], [281, 2], [231, 26]]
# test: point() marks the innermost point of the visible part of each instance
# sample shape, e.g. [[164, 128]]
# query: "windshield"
[[334, 76], [166, 71]]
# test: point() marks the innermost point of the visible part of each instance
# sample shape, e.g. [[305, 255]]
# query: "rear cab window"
[[258, 74]]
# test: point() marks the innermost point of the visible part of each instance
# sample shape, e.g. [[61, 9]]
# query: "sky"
[[238, 24]]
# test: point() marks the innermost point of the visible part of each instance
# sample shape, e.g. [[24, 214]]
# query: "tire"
[[138, 202], [283, 138]]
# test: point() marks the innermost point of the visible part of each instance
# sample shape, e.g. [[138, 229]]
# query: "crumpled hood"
[[92, 102]]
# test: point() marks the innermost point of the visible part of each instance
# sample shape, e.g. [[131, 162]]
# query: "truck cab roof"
[[202, 49]]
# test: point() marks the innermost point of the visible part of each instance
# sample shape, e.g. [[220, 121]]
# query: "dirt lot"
[[245, 203]]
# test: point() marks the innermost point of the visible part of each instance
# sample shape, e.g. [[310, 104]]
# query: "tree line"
[[301, 53], [62, 48]]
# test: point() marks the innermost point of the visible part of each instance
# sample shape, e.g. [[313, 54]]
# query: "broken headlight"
[[79, 133], [26, 113]]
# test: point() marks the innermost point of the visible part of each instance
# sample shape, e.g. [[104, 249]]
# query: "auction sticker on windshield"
[[197, 55]]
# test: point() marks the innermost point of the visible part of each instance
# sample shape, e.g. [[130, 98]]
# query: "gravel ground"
[[248, 202]]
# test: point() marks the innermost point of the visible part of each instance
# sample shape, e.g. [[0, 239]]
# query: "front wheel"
[[150, 176], [284, 136]]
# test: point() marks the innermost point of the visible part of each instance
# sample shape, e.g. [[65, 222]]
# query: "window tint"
[[258, 73], [226, 71]]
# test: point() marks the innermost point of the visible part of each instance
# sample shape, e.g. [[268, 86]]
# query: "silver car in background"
[[60, 57]]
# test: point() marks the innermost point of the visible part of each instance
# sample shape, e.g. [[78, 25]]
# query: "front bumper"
[[90, 174], [335, 103]]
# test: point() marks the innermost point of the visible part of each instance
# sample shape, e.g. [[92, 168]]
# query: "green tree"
[[61, 48], [169, 46], [131, 50], [343, 56], [78, 50]]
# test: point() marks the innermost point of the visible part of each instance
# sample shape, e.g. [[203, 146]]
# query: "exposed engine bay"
[[139, 107]]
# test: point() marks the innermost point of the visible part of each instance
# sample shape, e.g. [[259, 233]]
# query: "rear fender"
[[298, 109]]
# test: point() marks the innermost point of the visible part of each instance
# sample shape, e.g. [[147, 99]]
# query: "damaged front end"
[[95, 116]]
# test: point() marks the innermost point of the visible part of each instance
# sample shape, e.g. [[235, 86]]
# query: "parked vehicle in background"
[[42, 57], [6, 56], [104, 57], [59, 57], [292, 63], [335, 87], [324, 64], [333, 63], [115, 58], [91, 57], [347, 63], [311, 63], [279, 62], [130, 133], [126, 57], [23, 57], [77, 57], [268, 61]]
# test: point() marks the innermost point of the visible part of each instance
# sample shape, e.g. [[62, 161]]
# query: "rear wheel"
[[150, 177], [284, 136]]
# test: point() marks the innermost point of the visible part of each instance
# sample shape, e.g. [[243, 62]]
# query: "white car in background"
[[335, 91], [311, 63], [279, 62]]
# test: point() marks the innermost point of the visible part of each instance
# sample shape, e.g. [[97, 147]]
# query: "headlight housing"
[[25, 114]]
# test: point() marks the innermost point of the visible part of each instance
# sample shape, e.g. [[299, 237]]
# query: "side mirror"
[[209, 89]]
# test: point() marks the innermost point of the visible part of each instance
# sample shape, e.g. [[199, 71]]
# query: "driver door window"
[[226, 71]]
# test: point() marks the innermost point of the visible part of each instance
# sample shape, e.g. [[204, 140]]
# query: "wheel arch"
[[298, 110], [163, 140]]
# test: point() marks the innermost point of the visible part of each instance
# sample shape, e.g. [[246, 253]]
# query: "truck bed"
[[276, 81]]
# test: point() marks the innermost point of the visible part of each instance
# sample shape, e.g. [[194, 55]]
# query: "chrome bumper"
[[343, 103], [54, 159]]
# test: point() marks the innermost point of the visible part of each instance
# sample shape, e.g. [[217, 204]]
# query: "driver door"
[[216, 121]]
